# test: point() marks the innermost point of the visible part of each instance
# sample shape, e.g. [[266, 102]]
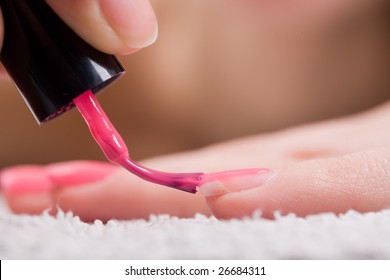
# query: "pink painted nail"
[[234, 181], [25, 179], [39, 179], [76, 173]]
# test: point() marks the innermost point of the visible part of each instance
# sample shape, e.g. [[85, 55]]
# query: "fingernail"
[[76, 173], [40, 179], [235, 181], [133, 44], [133, 21], [152, 38], [25, 179], [136, 43]]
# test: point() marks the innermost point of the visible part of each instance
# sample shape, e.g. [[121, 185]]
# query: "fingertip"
[[26, 189], [112, 26], [133, 21], [233, 194], [332, 185], [29, 203], [25, 179], [239, 205], [296, 189]]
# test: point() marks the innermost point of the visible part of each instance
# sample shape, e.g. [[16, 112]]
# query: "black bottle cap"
[[48, 62]]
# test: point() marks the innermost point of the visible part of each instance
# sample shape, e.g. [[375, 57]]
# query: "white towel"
[[325, 236]]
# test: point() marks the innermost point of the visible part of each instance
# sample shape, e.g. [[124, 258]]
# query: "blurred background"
[[220, 70]]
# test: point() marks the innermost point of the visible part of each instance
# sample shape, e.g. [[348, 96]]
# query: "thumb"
[[359, 181], [112, 26]]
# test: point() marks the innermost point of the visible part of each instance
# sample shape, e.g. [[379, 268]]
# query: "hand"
[[112, 26], [333, 166]]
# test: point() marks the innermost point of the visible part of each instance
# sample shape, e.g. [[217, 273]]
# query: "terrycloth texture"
[[326, 236]]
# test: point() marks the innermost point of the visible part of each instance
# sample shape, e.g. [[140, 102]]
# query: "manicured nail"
[[234, 181], [25, 179], [76, 173]]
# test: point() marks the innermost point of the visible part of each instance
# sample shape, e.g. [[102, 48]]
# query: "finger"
[[31, 191], [31, 188], [95, 191], [359, 181], [124, 196], [112, 26]]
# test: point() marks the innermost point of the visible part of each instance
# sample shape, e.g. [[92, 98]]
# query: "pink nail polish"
[[234, 181], [76, 173], [39, 179], [25, 179]]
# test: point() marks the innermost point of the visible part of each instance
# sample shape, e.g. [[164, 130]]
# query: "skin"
[[112, 26], [313, 174], [332, 166]]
